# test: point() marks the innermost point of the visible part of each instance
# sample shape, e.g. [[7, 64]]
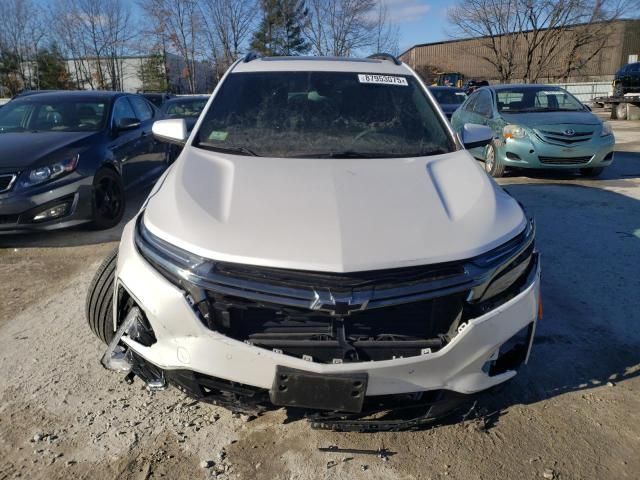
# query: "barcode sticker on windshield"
[[382, 79]]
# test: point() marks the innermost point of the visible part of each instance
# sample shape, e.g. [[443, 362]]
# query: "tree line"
[[82, 43]]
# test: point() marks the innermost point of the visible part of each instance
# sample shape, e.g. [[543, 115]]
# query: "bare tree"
[[22, 32], [343, 27], [524, 38], [95, 34], [228, 25], [179, 24], [498, 23], [385, 33]]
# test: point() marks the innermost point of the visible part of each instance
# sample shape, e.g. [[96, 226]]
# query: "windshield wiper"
[[343, 154], [237, 149]]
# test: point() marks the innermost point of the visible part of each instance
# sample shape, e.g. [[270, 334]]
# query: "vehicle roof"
[[186, 98], [322, 64], [71, 94], [509, 86], [442, 87]]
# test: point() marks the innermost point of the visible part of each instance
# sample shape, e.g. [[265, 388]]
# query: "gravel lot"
[[573, 412]]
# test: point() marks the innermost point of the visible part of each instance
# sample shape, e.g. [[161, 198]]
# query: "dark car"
[[158, 99], [187, 107], [66, 158], [627, 80], [449, 98], [472, 85]]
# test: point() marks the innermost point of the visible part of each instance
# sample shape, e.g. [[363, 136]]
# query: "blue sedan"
[[537, 126]]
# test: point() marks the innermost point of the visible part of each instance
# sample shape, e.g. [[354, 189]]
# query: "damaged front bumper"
[[164, 339]]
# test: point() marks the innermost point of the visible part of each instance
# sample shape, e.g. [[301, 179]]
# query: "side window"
[[122, 109], [483, 104], [142, 108], [469, 106]]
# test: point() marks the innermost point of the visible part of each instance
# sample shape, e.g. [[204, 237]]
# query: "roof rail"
[[385, 56], [250, 56]]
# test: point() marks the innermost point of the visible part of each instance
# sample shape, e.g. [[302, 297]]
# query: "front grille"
[[7, 181], [8, 219], [561, 137], [342, 317], [376, 334], [564, 160]]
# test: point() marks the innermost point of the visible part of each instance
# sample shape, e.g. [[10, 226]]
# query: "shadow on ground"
[[590, 334], [78, 236]]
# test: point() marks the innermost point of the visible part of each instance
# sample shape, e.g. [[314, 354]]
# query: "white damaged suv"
[[323, 241]]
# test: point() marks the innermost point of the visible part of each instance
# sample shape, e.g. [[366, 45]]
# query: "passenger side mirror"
[[473, 135], [127, 123], [172, 130]]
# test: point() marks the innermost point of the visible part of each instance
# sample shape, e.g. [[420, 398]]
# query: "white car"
[[325, 241]]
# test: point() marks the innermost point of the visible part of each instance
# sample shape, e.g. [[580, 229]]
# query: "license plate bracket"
[[343, 392]]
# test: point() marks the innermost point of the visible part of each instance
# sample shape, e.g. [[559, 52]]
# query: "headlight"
[[49, 172], [505, 264], [606, 129], [513, 131]]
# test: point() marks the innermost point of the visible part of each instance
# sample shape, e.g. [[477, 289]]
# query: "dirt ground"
[[572, 413]]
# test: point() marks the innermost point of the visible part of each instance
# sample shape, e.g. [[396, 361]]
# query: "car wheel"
[[108, 199], [99, 303], [492, 164], [621, 111], [591, 172]]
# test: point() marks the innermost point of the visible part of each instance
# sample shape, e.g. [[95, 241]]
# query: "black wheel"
[[108, 199], [99, 303], [591, 172], [492, 165]]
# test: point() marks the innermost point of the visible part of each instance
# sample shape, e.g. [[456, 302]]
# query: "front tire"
[[492, 164], [99, 303], [591, 172], [108, 199], [621, 111]]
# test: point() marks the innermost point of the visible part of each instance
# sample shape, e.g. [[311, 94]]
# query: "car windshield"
[[34, 114], [322, 115], [449, 97], [184, 108], [542, 99]]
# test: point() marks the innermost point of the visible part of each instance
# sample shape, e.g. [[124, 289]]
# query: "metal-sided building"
[[466, 56]]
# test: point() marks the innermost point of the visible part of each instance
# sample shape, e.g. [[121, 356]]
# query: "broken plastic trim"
[[115, 357]]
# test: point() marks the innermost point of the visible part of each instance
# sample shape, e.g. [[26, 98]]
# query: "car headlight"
[[606, 129], [49, 172], [513, 131]]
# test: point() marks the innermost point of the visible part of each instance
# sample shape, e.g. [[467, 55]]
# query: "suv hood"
[[332, 215], [551, 118]]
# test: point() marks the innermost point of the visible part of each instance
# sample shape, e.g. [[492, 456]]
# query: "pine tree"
[[51, 69], [153, 75], [280, 31]]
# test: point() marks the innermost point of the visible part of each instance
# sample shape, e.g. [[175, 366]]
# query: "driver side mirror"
[[473, 135], [127, 123], [172, 130]]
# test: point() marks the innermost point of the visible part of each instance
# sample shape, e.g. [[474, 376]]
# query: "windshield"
[[449, 97], [184, 108], [543, 99], [35, 114], [322, 114]]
